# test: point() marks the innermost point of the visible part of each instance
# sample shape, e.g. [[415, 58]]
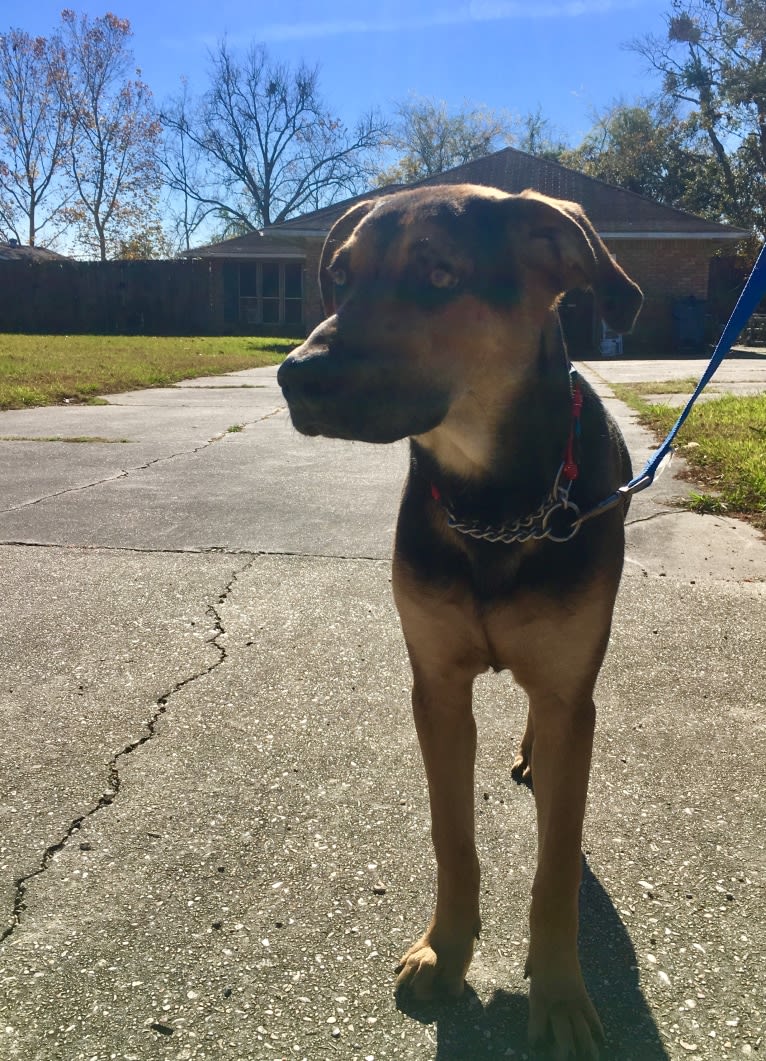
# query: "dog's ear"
[[565, 245], [337, 236]]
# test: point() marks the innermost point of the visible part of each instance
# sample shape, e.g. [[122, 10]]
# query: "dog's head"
[[435, 293]]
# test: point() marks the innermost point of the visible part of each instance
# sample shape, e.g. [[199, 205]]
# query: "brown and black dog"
[[442, 328]]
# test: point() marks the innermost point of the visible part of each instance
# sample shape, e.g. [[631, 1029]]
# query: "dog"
[[442, 328]]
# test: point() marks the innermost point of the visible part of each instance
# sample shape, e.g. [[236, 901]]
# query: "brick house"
[[268, 280]]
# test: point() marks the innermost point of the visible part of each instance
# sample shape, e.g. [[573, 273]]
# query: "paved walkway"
[[214, 835]]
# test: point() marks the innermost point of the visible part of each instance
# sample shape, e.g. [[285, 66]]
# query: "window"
[[293, 294], [248, 281], [271, 293]]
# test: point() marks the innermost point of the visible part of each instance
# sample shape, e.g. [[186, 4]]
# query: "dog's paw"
[[562, 1015], [521, 769], [426, 973]]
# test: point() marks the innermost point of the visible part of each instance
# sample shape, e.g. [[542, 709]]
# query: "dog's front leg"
[[559, 1005], [441, 700], [557, 663], [439, 960]]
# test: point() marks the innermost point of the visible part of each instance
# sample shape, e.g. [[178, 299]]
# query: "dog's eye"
[[338, 276], [443, 278]]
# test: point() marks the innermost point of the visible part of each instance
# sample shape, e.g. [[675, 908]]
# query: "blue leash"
[[752, 293]]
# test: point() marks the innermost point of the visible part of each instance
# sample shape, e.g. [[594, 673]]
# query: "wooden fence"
[[121, 298]]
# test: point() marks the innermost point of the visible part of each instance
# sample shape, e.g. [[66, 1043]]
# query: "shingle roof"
[[12, 253], [252, 245], [321, 221], [612, 210]]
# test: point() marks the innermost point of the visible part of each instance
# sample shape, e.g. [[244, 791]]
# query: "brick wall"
[[666, 271]]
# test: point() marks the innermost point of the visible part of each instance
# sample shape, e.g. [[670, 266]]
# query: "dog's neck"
[[497, 453]]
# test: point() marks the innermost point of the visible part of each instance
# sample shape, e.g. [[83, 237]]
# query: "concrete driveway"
[[214, 835]]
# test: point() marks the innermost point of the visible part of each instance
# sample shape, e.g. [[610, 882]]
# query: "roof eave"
[[250, 255], [276, 231], [735, 234]]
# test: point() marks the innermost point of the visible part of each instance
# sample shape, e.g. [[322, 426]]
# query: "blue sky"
[[561, 55]]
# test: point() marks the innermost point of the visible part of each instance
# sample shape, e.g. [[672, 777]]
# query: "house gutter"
[[736, 235], [247, 256], [276, 232]]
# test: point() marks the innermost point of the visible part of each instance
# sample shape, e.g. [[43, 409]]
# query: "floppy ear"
[[337, 236], [565, 245]]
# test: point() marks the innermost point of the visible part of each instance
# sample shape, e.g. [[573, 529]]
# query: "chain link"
[[536, 527]]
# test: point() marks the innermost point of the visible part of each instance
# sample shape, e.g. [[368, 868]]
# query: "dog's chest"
[[500, 574]]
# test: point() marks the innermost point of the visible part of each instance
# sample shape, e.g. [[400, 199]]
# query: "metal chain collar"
[[535, 527], [540, 524]]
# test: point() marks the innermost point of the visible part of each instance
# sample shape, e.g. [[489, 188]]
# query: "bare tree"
[[113, 131], [429, 139], [269, 146], [182, 164], [33, 139]]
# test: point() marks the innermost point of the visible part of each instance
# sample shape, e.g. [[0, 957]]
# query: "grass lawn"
[[48, 369], [724, 443]]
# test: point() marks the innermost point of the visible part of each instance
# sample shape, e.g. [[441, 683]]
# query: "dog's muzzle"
[[311, 387], [331, 393]]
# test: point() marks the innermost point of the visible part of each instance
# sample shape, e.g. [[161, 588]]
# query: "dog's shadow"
[[471, 1029]]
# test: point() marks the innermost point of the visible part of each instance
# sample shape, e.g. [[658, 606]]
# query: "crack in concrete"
[[248, 423], [69, 490], [125, 472], [114, 780], [653, 516], [215, 550]]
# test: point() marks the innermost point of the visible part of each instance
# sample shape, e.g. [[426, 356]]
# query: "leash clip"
[[565, 505]]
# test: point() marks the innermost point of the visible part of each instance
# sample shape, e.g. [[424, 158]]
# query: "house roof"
[[252, 245], [614, 211], [10, 252], [258, 244]]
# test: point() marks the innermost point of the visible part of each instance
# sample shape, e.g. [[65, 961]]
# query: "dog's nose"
[[295, 374], [308, 376], [285, 372]]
